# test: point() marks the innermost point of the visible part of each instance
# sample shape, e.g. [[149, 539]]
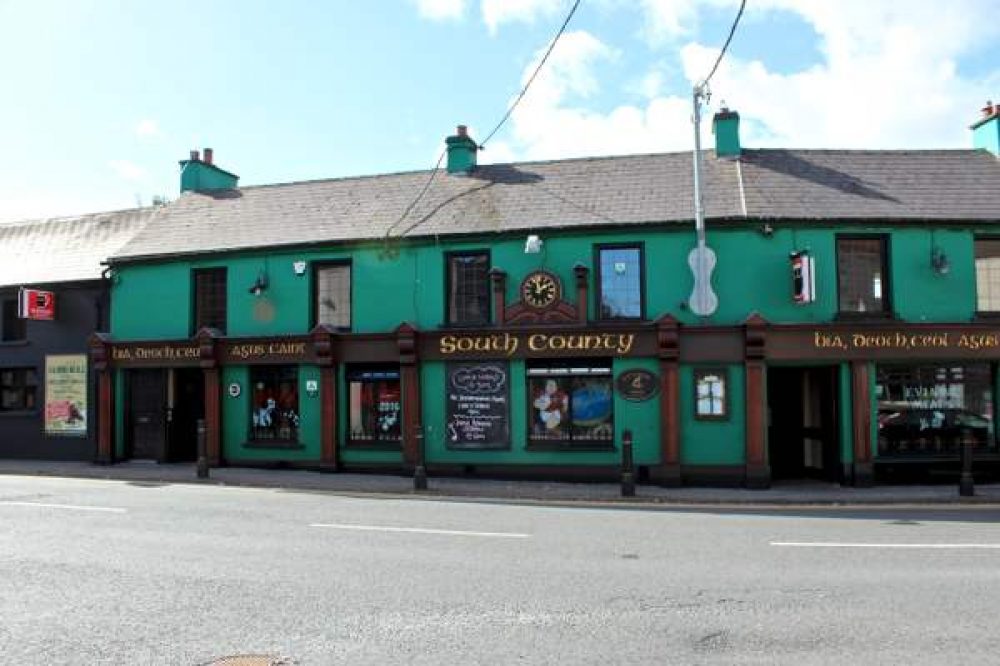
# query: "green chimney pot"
[[726, 127], [461, 152]]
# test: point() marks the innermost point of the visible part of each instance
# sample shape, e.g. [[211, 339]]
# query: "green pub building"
[[525, 317]]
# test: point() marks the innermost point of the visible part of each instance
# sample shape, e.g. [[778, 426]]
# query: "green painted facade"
[[153, 301]]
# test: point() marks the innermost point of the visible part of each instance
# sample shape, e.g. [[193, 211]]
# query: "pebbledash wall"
[[153, 302]]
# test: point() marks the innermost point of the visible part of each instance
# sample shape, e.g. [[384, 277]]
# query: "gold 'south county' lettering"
[[619, 343], [495, 342]]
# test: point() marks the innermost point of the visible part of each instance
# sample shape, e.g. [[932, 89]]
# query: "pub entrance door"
[[803, 436], [146, 426], [185, 405]]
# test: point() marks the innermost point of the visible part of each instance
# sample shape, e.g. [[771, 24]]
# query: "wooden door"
[[147, 414]]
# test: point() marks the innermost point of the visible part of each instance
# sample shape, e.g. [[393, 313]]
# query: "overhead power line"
[[531, 79], [437, 167], [732, 31]]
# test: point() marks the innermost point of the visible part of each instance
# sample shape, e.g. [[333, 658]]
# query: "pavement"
[[394, 485]]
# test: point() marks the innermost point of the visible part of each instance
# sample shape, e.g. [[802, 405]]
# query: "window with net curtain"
[[333, 295], [987, 274], [861, 274]]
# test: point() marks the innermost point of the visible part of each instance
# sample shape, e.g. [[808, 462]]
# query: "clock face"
[[540, 290]]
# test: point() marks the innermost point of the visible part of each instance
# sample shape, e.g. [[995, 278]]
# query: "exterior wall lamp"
[[260, 284], [939, 261]]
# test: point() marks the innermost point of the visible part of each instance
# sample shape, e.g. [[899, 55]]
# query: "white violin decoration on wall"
[[703, 301]]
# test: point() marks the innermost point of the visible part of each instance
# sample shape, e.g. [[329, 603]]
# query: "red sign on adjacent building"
[[38, 304]]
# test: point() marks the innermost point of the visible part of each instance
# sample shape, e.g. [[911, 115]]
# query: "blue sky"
[[103, 97]]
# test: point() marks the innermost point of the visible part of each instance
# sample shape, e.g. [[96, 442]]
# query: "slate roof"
[[65, 249], [797, 185]]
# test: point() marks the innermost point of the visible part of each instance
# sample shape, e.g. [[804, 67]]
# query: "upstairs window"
[[987, 274], [620, 280], [468, 287], [210, 299], [13, 327], [861, 275], [332, 295]]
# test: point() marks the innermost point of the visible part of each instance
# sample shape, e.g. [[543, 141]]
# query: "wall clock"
[[540, 290]]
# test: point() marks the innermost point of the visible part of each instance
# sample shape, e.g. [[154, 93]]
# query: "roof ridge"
[[70, 218]]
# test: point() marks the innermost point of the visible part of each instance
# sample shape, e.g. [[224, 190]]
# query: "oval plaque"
[[234, 390], [637, 384]]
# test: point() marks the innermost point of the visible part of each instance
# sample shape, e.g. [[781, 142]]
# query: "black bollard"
[[202, 464], [628, 471], [966, 487], [419, 471]]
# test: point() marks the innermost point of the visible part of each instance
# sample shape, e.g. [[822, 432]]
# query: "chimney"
[[461, 152], [986, 130], [726, 128], [201, 175]]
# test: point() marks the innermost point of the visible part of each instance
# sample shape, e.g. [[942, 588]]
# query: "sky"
[[102, 98]]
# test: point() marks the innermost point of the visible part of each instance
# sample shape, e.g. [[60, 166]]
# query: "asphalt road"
[[105, 572]]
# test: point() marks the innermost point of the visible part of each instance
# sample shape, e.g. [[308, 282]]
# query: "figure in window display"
[[551, 406]]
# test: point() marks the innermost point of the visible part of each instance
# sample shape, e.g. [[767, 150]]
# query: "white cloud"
[[498, 12], [441, 10], [888, 77], [147, 128], [128, 170]]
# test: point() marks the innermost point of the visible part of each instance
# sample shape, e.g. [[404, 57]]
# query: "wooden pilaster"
[[208, 361], [861, 419], [409, 375], [581, 273], [758, 473], [323, 343], [498, 278], [100, 361], [668, 473]]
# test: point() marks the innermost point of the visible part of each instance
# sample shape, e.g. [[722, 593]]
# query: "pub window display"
[[571, 405], [375, 406], [933, 410], [275, 407]]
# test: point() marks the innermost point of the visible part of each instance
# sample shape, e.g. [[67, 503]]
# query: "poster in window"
[[66, 395], [478, 405]]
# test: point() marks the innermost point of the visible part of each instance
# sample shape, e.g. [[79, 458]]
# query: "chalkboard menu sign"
[[478, 405]]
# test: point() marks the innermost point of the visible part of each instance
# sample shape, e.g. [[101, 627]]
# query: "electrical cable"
[[732, 31], [531, 79], [482, 145]]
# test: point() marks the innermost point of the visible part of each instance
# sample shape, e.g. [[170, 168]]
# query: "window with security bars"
[[13, 327], [375, 406], [333, 295], [862, 276], [18, 389], [275, 403], [932, 410], [987, 275], [619, 271], [210, 299], [468, 288]]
